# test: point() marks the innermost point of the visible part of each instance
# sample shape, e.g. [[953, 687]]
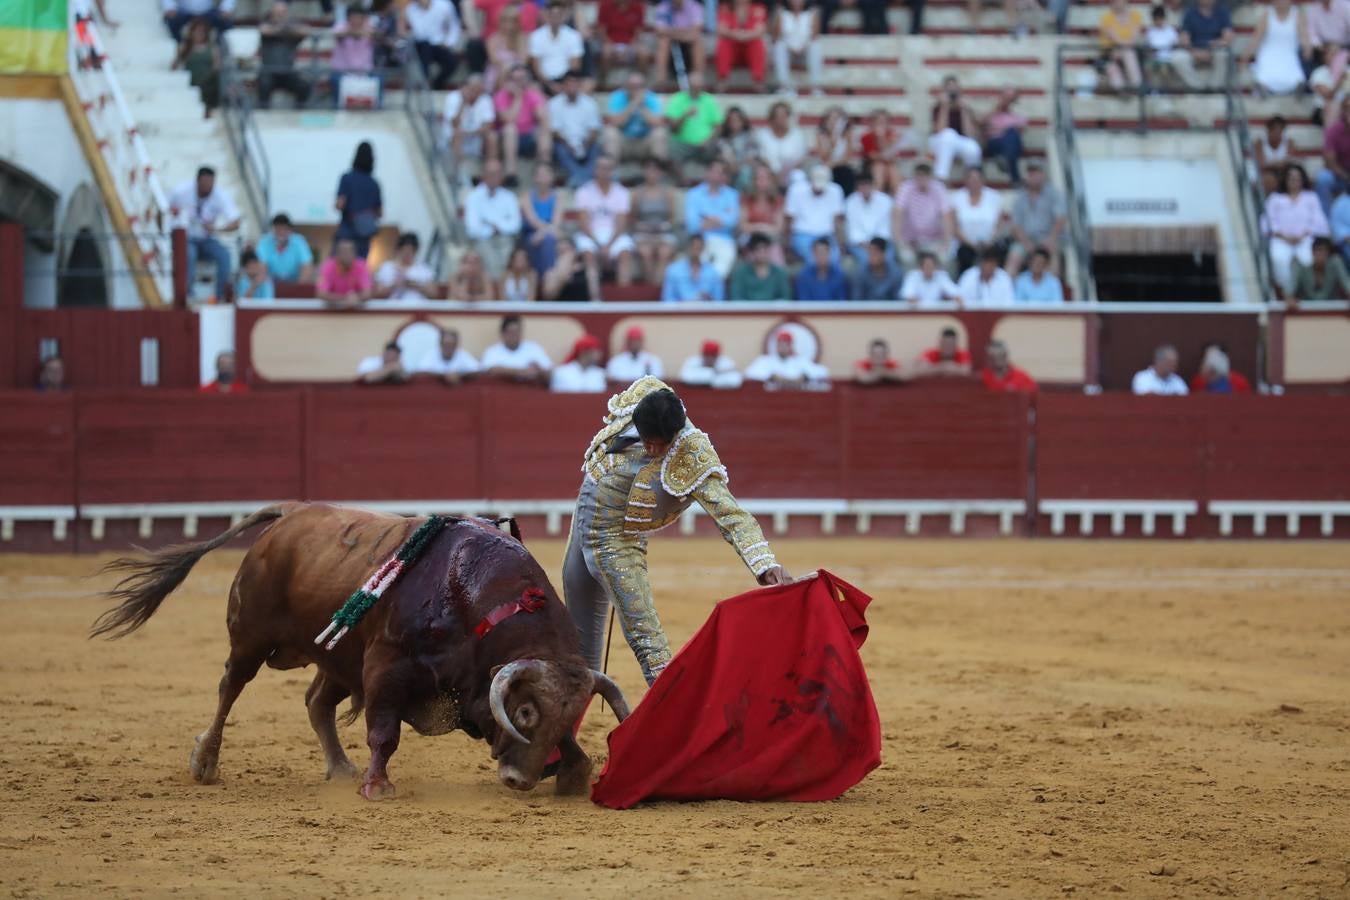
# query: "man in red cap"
[[785, 368], [1001, 375], [710, 368], [634, 362], [581, 373]]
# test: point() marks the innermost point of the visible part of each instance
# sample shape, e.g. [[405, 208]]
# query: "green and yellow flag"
[[33, 37]]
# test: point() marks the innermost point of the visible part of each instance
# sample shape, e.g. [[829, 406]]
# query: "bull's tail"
[[151, 578]]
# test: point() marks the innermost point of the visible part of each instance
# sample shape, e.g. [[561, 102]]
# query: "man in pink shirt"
[[1335, 175], [920, 217], [522, 116], [344, 280], [1328, 35]]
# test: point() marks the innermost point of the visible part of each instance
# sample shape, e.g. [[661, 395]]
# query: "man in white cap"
[[634, 362], [815, 210], [785, 368]]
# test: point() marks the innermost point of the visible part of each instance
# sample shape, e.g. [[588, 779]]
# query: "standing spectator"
[[975, 216], [575, 120], [448, 359], [542, 210], [1120, 32], [879, 367], [654, 222], [515, 358], [985, 284], [1293, 218], [403, 277], [492, 219], [737, 148], [435, 31], [522, 116], [758, 278], [795, 39], [1206, 35], [929, 284], [621, 26], [602, 234], [878, 278], [520, 282], [1281, 40], [1324, 279], [470, 123], [1214, 370], [1161, 377], [1000, 375], [785, 368], [52, 375], [873, 14], [881, 146], [227, 380], [679, 23], [354, 45], [1335, 175], [254, 283], [634, 362], [207, 211], [285, 253], [946, 359], [821, 278], [344, 280], [1003, 135], [387, 368], [581, 373], [178, 14], [634, 126], [867, 217], [741, 29], [691, 277], [713, 210], [921, 222], [814, 211], [1038, 284], [1328, 36], [279, 39], [471, 282], [781, 145], [556, 48], [199, 54], [694, 116], [710, 368], [359, 201], [955, 129], [762, 210], [1039, 216]]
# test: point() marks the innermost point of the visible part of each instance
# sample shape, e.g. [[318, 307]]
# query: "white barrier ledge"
[[955, 510], [59, 516], [1147, 510], [1292, 510], [145, 514]]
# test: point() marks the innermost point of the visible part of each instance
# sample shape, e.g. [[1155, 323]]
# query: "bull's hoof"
[[203, 763], [574, 781], [377, 789], [343, 769]]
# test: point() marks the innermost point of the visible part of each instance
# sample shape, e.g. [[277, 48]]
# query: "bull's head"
[[536, 703]]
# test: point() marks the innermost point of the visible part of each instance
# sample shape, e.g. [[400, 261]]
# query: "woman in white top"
[[795, 34], [928, 285], [519, 281], [781, 145], [1280, 36]]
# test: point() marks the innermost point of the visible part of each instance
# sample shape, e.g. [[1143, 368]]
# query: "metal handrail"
[[1249, 194], [1071, 170], [246, 141], [423, 119]]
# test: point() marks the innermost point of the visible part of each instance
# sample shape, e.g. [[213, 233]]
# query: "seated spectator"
[[1334, 178], [654, 221], [762, 210], [879, 367], [758, 277], [1216, 375], [1206, 35], [434, 28], [679, 22], [1120, 32], [344, 280], [710, 368], [207, 211], [976, 219], [285, 253], [1271, 146], [217, 15], [1003, 135], [1329, 89], [835, 146], [226, 380], [470, 121], [781, 145], [556, 48], [575, 120], [867, 218], [1328, 25], [568, 281], [52, 375], [403, 277], [279, 38], [602, 233], [581, 373], [471, 282], [741, 29], [795, 39], [199, 55], [929, 284], [621, 26], [507, 42], [542, 212], [520, 282], [946, 359], [694, 116], [1161, 377], [448, 360], [1274, 53], [354, 48], [387, 368], [955, 131], [1293, 218], [522, 116], [985, 284], [634, 126], [1324, 279], [921, 224], [514, 358], [254, 283], [1039, 216], [1038, 284], [784, 368], [821, 278], [879, 278], [713, 209], [815, 211], [737, 148], [882, 143], [1000, 375], [691, 277], [492, 219], [1162, 39], [634, 362]]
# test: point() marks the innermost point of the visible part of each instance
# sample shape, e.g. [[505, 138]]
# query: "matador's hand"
[[774, 575]]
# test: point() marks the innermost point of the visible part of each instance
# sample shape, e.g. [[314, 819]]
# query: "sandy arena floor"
[[1153, 718]]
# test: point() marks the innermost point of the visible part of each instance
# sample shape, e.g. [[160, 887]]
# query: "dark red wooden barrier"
[[1278, 448], [37, 449]]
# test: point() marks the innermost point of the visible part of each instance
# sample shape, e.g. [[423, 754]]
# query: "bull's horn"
[[610, 693], [501, 685]]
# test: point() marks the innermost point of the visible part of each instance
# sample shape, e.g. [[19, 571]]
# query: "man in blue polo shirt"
[[285, 253], [634, 126], [821, 279], [1206, 41]]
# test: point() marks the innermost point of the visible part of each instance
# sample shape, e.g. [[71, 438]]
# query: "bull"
[[449, 645]]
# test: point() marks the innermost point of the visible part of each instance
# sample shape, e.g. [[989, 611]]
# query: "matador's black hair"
[[659, 416]]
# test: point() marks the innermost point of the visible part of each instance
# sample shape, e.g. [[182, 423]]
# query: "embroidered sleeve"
[[738, 527]]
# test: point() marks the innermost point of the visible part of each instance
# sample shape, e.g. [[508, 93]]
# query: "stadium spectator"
[[881, 144], [199, 55], [471, 282], [634, 126], [279, 38], [522, 117], [1161, 377], [781, 145], [469, 123], [1215, 369], [1272, 146], [834, 146], [581, 373], [208, 211], [758, 277], [285, 253], [520, 282], [1324, 278], [710, 368], [679, 22], [976, 217], [575, 120], [178, 14], [567, 281], [921, 222], [1039, 216], [1276, 49], [762, 210], [1003, 135], [985, 284], [694, 117], [514, 358], [634, 362], [434, 28], [1038, 284], [713, 210], [359, 201], [867, 218], [582, 22], [448, 360], [653, 203], [52, 375], [542, 210], [954, 132], [621, 26], [691, 277], [403, 277], [226, 380], [821, 278], [1162, 39], [344, 280], [1339, 222], [814, 210], [556, 48], [508, 43], [497, 13], [1206, 35], [785, 368], [1328, 24], [796, 33], [1120, 32], [928, 284], [355, 43], [736, 146], [1328, 88], [1000, 375], [1293, 218], [878, 278], [254, 283], [387, 368], [602, 236], [946, 359], [742, 27], [492, 219], [879, 367], [1335, 175], [873, 14]]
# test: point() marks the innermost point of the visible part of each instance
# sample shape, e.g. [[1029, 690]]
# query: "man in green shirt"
[[694, 117], [759, 279]]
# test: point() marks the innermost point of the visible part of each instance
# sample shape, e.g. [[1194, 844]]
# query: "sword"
[[609, 639]]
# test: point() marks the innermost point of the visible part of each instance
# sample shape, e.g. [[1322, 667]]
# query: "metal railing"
[[424, 122], [1074, 186], [245, 139]]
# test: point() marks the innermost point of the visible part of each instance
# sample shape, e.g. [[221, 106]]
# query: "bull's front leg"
[[574, 772], [382, 734]]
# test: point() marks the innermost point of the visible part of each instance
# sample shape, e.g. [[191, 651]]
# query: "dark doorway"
[[1157, 278], [83, 281]]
